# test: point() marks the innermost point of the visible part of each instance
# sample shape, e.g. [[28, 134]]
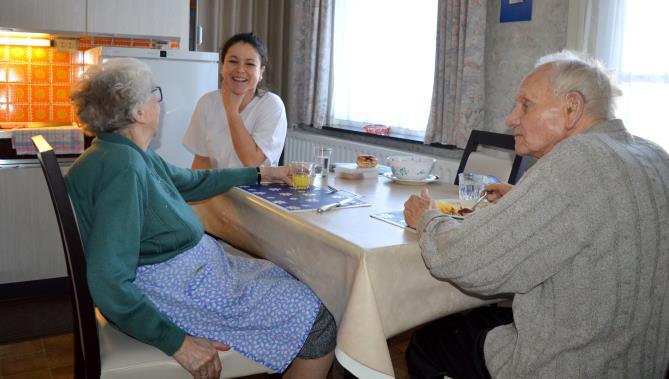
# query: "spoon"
[[483, 197]]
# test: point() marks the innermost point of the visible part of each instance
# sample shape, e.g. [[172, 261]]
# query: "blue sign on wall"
[[515, 10]]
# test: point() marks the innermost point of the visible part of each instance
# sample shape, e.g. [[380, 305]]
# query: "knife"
[[327, 207]]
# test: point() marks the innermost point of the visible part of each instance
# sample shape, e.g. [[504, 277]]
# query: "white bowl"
[[411, 167]]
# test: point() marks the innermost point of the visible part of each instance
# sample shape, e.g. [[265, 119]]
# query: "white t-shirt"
[[208, 134]]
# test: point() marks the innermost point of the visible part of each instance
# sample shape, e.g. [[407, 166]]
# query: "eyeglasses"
[[158, 95]]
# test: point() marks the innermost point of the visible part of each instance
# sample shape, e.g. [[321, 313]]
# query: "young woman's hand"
[[199, 356]]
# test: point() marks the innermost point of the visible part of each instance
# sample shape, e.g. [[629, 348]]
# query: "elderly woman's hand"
[[281, 173], [199, 357], [496, 191], [416, 206]]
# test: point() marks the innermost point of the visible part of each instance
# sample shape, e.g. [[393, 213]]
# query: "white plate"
[[430, 178]]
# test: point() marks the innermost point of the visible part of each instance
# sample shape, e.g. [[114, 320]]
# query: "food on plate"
[[366, 161], [452, 209]]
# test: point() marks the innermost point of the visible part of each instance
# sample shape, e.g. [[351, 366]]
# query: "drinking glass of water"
[[471, 185], [322, 160]]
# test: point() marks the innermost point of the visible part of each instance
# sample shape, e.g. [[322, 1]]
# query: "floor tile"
[[59, 350], [40, 374], [62, 372], [24, 347], [16, 364]]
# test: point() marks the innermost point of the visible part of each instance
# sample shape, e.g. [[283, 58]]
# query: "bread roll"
[[366, 161]]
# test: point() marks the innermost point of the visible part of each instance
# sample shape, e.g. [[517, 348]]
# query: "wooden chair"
[[498, 140], [101, 350]]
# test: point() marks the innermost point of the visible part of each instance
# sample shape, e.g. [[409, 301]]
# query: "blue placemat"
[[292, 200]]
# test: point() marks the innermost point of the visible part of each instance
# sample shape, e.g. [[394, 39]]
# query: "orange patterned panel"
[[18, 93], [61, 94], [39, 74], [39, 54], [4, 93], [77, 71], [17, 73], [18, 53], [60, 56], [40, 113], [61, 74], [4, 113], [3, 72], [62, 113], [39, 94], [18, 112]]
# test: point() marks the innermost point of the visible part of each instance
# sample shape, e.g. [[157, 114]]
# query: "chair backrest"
[[499, 140], [87, 349]]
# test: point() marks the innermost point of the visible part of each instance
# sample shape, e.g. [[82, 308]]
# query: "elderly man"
[[582, 244]]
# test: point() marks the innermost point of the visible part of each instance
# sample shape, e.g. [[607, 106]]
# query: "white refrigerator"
[[183, 76]]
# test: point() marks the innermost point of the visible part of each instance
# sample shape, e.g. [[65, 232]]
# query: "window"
[[383, 64], [643, 70]]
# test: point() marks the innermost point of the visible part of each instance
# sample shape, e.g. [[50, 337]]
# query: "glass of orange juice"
[[301, 173]]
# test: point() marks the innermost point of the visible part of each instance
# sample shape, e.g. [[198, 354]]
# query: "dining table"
[[369, 273]]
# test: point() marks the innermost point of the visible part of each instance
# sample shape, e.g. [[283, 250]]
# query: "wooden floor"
[[52, 358]]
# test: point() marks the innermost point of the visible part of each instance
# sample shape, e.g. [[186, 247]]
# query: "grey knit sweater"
[[583, 243]]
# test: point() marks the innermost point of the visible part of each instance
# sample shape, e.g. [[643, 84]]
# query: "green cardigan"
[[131, 209]]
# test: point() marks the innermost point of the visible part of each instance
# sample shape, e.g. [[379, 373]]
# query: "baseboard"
[[35, 288]]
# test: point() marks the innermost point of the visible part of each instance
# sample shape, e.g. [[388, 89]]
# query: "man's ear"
[[574, 104]]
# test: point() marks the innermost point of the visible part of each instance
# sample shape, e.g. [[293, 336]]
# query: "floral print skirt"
[[250, 304]]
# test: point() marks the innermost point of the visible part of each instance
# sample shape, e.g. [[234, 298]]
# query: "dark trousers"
[[453, 345]]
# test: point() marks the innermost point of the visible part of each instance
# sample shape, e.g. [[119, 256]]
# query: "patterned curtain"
[[458, 98], [310, 33]]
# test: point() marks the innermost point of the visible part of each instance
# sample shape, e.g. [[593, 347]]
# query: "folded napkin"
[[63, 139]]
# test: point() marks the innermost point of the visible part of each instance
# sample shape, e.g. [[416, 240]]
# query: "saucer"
[[429, 179]]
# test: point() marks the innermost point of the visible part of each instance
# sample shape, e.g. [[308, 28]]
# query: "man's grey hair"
[[573, 72], [108, 93]]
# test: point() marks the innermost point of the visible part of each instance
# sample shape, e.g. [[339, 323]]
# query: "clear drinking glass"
[[301, 175], [322, 155], [470, 186]]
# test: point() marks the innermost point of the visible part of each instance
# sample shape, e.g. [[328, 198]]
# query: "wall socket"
[[65, 44]]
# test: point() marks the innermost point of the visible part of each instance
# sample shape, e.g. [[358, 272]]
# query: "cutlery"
[[327, 207], [483, 197], [331, 190]]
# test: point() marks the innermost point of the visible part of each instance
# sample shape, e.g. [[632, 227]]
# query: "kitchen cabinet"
[[164, 18], [40, 15], [30, 244], [145, 18]]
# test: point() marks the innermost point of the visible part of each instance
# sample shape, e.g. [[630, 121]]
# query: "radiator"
[[300, 147]]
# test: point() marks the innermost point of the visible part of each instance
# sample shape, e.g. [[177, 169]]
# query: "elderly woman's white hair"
[[572, 72], [108, 93]]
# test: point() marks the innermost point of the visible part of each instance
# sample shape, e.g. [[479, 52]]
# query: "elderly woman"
[[151, 269], [239, 125]]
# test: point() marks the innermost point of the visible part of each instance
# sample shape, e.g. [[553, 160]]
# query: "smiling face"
[[538, 119], [242, 70]]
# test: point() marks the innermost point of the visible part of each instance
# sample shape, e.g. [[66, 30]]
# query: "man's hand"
[[416, 206], [199, 357], [281, 173], [497, 190]]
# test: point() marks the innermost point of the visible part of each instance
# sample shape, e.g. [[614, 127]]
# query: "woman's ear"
[[574, 104], [139, 115]]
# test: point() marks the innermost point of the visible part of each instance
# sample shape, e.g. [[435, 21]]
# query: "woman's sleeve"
[[112, 254], [195, 137], [202, 184], [269, 133]]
